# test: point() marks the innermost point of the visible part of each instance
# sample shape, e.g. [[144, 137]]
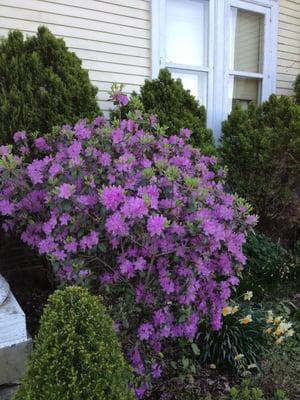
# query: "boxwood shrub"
[[77, 355]]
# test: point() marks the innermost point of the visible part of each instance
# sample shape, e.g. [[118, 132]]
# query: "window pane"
[[247, 40], [194, 81], [244, 90], [187, 32]]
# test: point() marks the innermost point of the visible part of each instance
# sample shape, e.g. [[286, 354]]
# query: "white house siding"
[[112, 37], [288, 45]]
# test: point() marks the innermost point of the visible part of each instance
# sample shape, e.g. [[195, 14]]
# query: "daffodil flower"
[[248, 295], [227, 311], [246, 320]]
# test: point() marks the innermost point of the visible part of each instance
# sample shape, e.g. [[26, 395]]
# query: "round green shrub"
[[261, 148], [77, 355], [42, 84], [176, 108]]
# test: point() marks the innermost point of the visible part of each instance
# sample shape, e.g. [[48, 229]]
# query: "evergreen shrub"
[[261, 148], [77, 355], [42, 84], [175, 108]]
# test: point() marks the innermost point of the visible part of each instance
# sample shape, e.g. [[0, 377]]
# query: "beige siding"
[[112, 37], [288, 66]]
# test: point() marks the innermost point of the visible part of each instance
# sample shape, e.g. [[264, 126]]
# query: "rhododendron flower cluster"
[[143, 217]]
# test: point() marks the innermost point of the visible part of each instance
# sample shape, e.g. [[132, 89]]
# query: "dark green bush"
[[42, 84], [268, 264], [176, 108], [297, 89], [261, 148], [77, 355]]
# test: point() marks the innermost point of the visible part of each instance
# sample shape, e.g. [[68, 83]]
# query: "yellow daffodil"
[[282, 328], [279, 340], [290, 333], [227, 311], [246, 320], [235, 309], [248, 295], [269, 330], [239, 357], [277, 320]]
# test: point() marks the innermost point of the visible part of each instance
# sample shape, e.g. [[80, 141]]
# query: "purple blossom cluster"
[[145, 215]]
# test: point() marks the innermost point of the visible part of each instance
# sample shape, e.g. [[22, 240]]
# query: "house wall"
[[112, 37], [288, 66]]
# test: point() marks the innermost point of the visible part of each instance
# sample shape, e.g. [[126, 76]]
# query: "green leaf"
[[195, 349]]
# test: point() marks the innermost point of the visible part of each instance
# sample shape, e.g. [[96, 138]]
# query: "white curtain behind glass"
[[186, 32]]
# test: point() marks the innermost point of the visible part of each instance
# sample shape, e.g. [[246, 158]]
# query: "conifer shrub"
[[261, 148], [42, 84], [77, 355], [175, 108], [297, 89]]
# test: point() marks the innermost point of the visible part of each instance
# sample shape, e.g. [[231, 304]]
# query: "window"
[[224, 51], [185, 44]]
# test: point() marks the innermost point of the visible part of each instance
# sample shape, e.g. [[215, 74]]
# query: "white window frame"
[[218, 52]]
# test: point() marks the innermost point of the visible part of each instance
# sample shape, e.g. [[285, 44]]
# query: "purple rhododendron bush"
[[141, 218]]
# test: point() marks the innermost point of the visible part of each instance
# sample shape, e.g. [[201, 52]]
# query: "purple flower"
[[71, 247], [122, 99], [156, 370], [112, 197], [46, 246], [116, 226], [87, 200], [74, 150], [18, 136], [156, 225], [4, 150], [41, 144], [66, 190], [127, 268], [145, 331], [6, 208], [65, 219], [89, 241], [134, 207], [82, 132], [117, 135], [105, 159], [35, 171], [252, 220], [54, 170], [185, 133], [153, 119]]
